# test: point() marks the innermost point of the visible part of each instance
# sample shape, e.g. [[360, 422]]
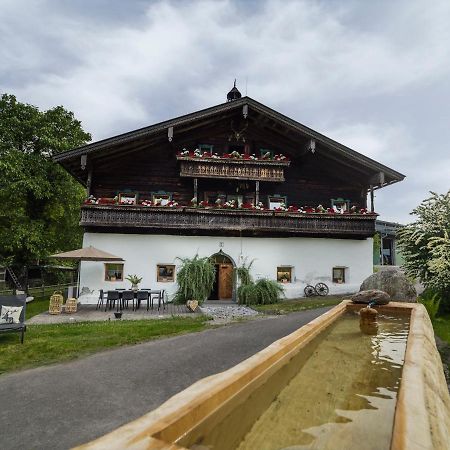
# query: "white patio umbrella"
[[86, 254]]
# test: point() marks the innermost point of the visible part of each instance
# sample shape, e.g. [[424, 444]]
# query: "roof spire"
[[234, 94]]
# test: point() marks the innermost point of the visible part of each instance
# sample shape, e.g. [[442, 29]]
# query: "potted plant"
[[134, 280]]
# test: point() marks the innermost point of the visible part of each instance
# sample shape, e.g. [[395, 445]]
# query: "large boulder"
[[371, 295], [393, 281]]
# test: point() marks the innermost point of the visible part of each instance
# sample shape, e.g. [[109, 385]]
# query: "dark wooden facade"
[[148, 162]]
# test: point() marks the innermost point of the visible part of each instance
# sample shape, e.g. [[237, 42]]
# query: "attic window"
[[206, 148], [340, 204]]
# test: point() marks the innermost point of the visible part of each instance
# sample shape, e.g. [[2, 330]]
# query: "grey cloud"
[[370, 74]]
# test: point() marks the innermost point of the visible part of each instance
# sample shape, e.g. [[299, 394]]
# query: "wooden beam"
[[89, 181]]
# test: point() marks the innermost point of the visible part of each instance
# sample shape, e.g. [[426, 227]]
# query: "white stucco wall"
[[312, 259]]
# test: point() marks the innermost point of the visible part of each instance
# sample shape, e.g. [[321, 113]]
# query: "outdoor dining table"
[[158, 292]]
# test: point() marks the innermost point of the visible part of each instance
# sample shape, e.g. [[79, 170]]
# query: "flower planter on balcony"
[[235, 222]]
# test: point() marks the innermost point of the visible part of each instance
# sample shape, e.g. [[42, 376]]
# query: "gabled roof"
[[338, 149]]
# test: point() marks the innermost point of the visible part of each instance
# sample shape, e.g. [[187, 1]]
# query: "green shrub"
[[195, 279], [263, 292], [431, 300], [248, 294], [243, 273]]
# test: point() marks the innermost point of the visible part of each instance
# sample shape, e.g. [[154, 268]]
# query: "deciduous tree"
[[39, 200], [426, 244]]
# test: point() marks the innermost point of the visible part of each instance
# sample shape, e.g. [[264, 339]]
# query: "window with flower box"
[[265, 152], [208, 148], [127, 198], [339, 275], [284, 274], [340, 204], [276, 201], [113, 272], [161, 198]]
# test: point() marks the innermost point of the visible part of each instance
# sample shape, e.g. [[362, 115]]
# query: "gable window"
[[339, 275], [206, 148], [113, 272], [284, 274], [266, 153], [339, 204], [165, 273]]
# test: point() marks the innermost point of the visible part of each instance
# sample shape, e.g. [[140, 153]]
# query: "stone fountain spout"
[[368, 319]]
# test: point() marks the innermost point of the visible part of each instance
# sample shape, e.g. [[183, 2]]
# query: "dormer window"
[[340, 205]]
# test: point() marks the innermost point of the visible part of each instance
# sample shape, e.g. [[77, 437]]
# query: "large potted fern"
[[195, 279]]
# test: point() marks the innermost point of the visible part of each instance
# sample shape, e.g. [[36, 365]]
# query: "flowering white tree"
[[426, 244]]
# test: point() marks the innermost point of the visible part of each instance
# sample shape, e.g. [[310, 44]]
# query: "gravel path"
[[227, 313]]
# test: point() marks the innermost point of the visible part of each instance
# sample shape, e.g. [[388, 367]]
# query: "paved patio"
[[89, 313]]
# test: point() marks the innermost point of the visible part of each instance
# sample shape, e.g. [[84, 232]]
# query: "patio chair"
[[141, 296], [16, 301], [162, 299], [100, 299], [126, 297], [111, 298]]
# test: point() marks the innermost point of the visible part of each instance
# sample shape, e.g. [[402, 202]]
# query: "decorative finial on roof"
[[234, 94]]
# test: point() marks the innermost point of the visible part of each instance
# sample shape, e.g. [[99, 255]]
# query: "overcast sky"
[[371, 75]]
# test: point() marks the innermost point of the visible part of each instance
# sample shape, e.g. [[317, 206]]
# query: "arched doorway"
[[223, 288]]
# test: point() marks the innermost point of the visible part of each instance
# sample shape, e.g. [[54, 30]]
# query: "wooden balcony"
[[237, 169], [227, 222]]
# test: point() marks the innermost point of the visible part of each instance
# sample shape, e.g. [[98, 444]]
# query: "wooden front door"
[[225, 281]]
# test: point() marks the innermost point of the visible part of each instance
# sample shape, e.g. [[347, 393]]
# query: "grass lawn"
[[47, 344], [300, 304], [441, 327], [37, 306]]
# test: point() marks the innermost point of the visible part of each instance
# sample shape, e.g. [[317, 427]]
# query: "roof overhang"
[[380, 175]]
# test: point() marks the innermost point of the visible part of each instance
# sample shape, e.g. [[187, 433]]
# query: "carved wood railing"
[[237, 169], [244, 222]]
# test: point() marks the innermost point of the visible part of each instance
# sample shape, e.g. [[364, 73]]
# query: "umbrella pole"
[[79, 276]]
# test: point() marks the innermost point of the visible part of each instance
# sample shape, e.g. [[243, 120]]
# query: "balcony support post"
[[196, 188], [257, 192], [89, 181], [372, 207]]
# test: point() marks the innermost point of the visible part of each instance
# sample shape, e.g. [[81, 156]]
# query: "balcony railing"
[[238, 169], [187, 220]]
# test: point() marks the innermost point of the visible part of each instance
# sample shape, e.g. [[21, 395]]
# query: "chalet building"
[[238, 182]]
